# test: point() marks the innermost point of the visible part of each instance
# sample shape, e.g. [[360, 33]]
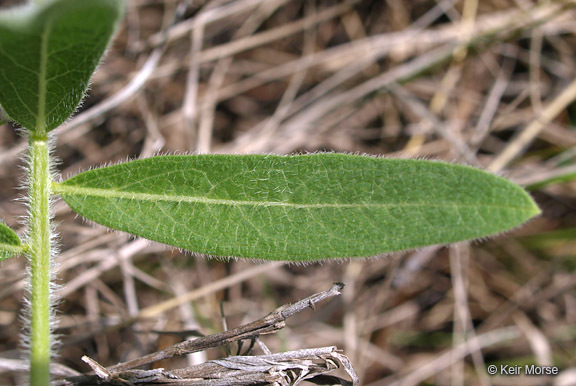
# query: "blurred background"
[[485, 83]]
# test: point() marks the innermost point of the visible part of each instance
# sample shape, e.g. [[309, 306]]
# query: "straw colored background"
[[486, 83]]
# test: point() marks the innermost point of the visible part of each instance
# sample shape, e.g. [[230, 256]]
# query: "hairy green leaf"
[[48, 53], [305, 207], [10, 243]]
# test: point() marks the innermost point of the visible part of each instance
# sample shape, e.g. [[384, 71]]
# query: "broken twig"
[[288, 368]]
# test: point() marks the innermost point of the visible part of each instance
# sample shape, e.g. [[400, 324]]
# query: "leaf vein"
[[69, 190]]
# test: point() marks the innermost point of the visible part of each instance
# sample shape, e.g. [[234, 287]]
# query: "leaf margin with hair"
[[349, 222], [10, 243], [45, 67]]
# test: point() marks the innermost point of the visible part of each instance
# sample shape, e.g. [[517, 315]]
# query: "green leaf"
[[10, 243], [48, 53], [305, 207]]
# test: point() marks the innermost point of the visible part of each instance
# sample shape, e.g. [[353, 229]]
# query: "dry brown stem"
[[288, 368]]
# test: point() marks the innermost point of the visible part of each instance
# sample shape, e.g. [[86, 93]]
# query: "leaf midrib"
[[61, 189], [11, 248], [41, 117]]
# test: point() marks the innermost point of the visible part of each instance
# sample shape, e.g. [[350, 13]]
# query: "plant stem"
[[39, 254]]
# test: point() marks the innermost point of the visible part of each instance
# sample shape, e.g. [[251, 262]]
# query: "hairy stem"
[[39, 254]]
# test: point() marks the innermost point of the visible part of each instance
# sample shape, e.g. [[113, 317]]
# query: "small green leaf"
[[297, 207], [48, 53], [10, 243]]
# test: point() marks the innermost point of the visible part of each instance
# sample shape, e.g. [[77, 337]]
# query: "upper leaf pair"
[[269, 207], [48, 53]]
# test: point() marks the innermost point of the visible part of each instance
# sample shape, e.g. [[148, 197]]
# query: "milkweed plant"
[[269, 207]]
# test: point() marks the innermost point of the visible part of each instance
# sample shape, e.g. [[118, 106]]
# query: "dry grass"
[[485, 83]]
